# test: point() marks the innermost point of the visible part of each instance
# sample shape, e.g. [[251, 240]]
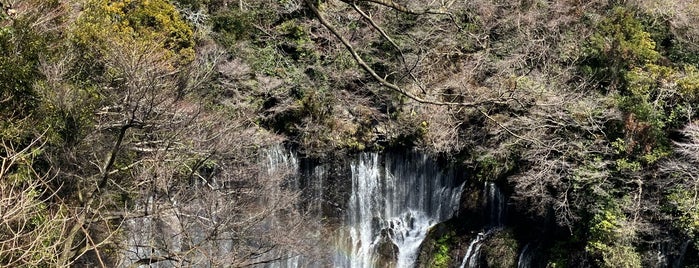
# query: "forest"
[[119, 113]]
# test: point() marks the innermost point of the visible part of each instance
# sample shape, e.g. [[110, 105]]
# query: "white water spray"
[[393, 204], [525, 257], [495, 206]]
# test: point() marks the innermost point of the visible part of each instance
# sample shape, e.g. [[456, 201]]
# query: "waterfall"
[[308, 183], [670, 254], [495, 207], [525, 257], [473, 253], [495, 203], [680, 258], [280, 160], [393, 204]]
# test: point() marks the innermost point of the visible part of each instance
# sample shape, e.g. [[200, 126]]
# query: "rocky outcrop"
[[387, 251]]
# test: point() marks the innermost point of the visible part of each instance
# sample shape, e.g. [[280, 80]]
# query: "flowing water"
[[525, 257], [473, 253], [495, 206], [680, 258], [395, 199]]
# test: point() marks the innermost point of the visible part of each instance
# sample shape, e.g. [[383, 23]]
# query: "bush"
[[610, 239], [157, 21], [619, 43]]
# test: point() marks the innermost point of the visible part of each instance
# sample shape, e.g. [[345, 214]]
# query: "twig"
[[383, 81]]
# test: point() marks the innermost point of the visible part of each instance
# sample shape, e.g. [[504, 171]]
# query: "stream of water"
[[495, 206], [395, 199]]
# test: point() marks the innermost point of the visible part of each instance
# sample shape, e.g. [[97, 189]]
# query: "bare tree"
[[33, 224], [180, 181], [682, 177]]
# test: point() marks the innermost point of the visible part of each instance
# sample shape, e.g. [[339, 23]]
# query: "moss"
[[441, 257], [500, 249], [490, 167]]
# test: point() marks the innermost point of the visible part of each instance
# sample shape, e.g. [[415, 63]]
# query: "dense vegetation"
[[583, 109]]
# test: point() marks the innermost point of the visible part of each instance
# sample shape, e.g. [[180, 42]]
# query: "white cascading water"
[[393, 204], [525, 257], [145, 236], [680, 258], [495, 206], [280, 160], [395, 199], [473, 253]]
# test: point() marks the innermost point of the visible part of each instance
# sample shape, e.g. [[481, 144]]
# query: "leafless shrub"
[[31, 229]]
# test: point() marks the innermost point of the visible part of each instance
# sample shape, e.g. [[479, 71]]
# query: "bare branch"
[[383, 81]]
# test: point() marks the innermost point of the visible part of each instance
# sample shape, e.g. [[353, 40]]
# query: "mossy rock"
[[443, 244], [501, 249]]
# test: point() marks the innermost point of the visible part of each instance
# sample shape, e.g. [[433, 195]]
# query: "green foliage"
[[104, 23], [559, 254], [20, 50], [682, 204], [297, 44], [656, 99], [620, 39], [589, 181], [192, 4], [683, 51], [689, 83], [671, 40], [624, 164], [68, 111], [232, 26], [442, 258], [649, 96], [492, 167], [610, 238], [269, 60], [412, 129], [619, 43], [488, 165]]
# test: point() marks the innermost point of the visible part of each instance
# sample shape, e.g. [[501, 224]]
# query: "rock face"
[[430, 246], [325, 185], [386, 250], [481, 219], [500, 249]]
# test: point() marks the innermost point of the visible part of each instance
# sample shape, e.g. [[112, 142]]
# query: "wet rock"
[[386, 250]]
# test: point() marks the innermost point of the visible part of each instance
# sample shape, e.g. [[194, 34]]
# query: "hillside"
[[583, 112]]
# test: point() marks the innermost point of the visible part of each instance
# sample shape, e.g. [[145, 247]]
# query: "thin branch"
[[383, 81], [404, 9], [393, 43], [508, 130], [152, 260]]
